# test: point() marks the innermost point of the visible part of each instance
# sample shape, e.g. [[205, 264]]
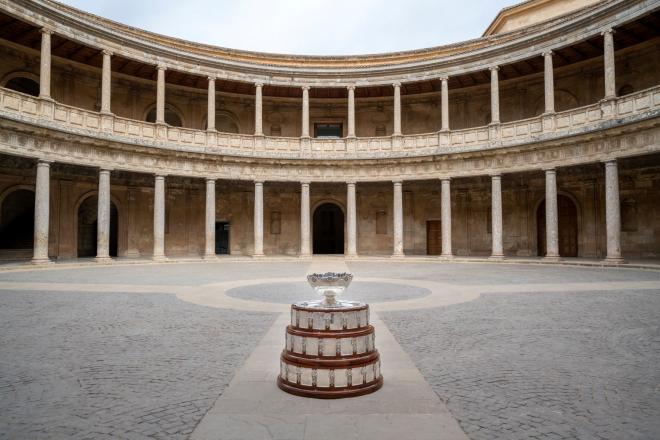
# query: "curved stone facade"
[[541, 141]]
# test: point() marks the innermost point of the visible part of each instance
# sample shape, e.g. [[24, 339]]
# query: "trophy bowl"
[[329, 285]]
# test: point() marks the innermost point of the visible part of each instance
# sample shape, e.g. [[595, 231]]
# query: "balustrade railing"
[[63, 117]]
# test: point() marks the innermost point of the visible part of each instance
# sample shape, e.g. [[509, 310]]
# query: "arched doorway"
[[17, 220], [88, 225], [568, 227], [328, 229]]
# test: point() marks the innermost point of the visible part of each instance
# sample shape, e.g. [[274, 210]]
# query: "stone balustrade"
[[48, 114]]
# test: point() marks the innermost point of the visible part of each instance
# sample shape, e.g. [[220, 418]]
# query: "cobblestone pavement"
[[115, 366], [288, 293], [543, 365]]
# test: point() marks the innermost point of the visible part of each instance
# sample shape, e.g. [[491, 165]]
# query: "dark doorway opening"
[[88, 227], [17, 220], [328, 229], [433, 237], [221, 238], [567, 224]]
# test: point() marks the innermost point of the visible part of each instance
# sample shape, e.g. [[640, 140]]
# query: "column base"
[[551, 258], [398, 255], [41, 261], [258, 256], [103, 260], [353, 256], [209, 257], [159, 258], [615, 260], [305, 256], [447, 256], [496, 257]]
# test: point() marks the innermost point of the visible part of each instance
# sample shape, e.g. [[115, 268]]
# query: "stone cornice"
[[324, 71]]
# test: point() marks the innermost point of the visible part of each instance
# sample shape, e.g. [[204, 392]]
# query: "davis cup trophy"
[[330, 350]]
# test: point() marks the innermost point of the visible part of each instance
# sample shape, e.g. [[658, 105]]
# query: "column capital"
[[107, 52], [351, 182], [258, 84], [610, 162], [550, 170], [161, 67], [547, 53], [105, 170], [444, 78], [212, 77], [496, 176], [306, 88], [305, 182], [351, 87], [46, 30], [44, 163], [211, 180], [396, 84], [397, 182], [160, 176], [494, 68], [610, 31], [259, 182], [445, 179]]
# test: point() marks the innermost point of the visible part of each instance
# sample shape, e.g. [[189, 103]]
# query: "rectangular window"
[[328, 130]]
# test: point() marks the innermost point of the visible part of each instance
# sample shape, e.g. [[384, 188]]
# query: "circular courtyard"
[[151, 350]]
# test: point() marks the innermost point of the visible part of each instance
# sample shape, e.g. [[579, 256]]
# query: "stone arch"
[[22, 81], [328, 227], [85, 225], [564, 100], [225, 122], [173, 116], [17, 218], [570, 221]]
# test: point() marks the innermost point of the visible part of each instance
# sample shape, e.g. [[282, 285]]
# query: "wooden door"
[[433, 237]]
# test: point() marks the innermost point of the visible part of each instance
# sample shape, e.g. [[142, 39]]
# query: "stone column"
[[444, 106], [398, 219], [397, 109], [351, 111], [551, 215], [612, 211], [608, 57], [351, 220], [159, 218], [258, 219], [445, 214], [44, 73], [209, 249], [106, 82], [258, 108], [160, 95], [549, 82], [41, 213], [305, 112], [103, 217], [305, 248], [210, 107], [496, 216], [494, 96]]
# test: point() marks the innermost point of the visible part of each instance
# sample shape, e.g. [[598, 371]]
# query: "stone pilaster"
[[496, 217], [44, 71], [41, 213], [608, 58], [494, 95], [305, 241], [106, 82], [258, 110], [398, 219], [258, 219], [305, 112], [160, 95], [351, 219], [612, 212], [444, 103], [351, 111], [159, 218], [209, 235], [551, 216], [397, 109], [103, 217], [548, 82], [445, 216], [210, 106]]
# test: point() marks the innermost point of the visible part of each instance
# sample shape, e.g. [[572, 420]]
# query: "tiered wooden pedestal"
[[330, 353]]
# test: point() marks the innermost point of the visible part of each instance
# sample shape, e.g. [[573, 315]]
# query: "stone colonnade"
[[612, 209], [609, 92]]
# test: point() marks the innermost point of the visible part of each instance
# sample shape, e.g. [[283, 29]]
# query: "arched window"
[[24, 85], [172, 117], [224, 123]]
